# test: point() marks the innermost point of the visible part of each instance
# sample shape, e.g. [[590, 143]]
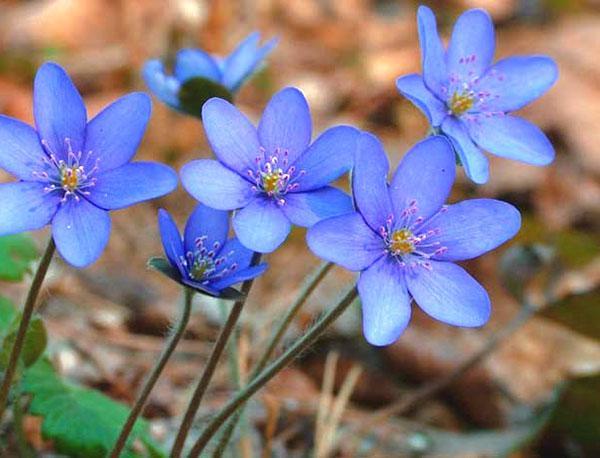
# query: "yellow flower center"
[[271, 181], [461, 102], [69, 177], [401, 242]]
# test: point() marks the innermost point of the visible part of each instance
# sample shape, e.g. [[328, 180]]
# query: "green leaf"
[[16, 254], [81, 422], [34, 345], [196, 91], [7, 314]]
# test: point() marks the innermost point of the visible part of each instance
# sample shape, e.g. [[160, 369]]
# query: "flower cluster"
[[401, 236]]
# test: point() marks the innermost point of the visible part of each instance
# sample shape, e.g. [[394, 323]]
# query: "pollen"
[[401, 242], [69, 178], [461, 102], [271, 182]]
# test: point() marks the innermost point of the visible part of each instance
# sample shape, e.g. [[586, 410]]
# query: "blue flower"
[[404, 240], [72, 172], [205, 260], [229, 72], [272, 174], [469, 99]]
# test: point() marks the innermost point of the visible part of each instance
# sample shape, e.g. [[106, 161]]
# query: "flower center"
[[207, 263], [70, 177], [402, 242], [273, 175], [461, 102], [201, 266], [411, 239]]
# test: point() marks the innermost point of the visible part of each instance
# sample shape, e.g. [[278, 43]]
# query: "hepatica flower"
[[470, 100], [72, 172], [205, 260], [192, 66], [272, 175], [403, 239]]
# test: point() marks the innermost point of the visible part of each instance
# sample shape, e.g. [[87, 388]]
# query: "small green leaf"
[[196, 91], [34, 345], [16, 254], [7, 314], [80, 422]]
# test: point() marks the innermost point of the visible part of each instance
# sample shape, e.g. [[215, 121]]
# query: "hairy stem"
[[27, 313], [312, 283], [211, 365], [154, 375], [271, 370]]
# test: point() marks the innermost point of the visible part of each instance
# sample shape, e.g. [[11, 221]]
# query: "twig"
[[270, 371]]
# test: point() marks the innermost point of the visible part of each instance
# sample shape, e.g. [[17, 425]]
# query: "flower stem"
[[271, 370], [154, 375], [312, 283], [211, 365], [27, 313]]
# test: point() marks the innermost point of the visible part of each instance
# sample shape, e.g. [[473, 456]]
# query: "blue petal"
[[476, 165], [215, 185], [512, 137], [328, 158], [472, 45], [206, 222], [165, 87], [25, 206], [369, 182], [244, 60], [171, 241], [239, 276], [433, 56], [235, 253], [81, 231], [449, 294], [132, 183], [231, 136], [261, 226], [20, 150], [514, 82], [286, 125], [424, 177], [473, 227], [413, 88], [307, 208], [346, 240], [59, 112], [114, 135], [385, 302], [192, 63]]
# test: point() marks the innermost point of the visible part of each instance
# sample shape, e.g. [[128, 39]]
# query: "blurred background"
[[536, 393]]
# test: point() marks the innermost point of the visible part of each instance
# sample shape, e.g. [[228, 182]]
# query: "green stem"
[[154, 375], [211, 365], [271, 370], [312, 283], [27, 313]]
